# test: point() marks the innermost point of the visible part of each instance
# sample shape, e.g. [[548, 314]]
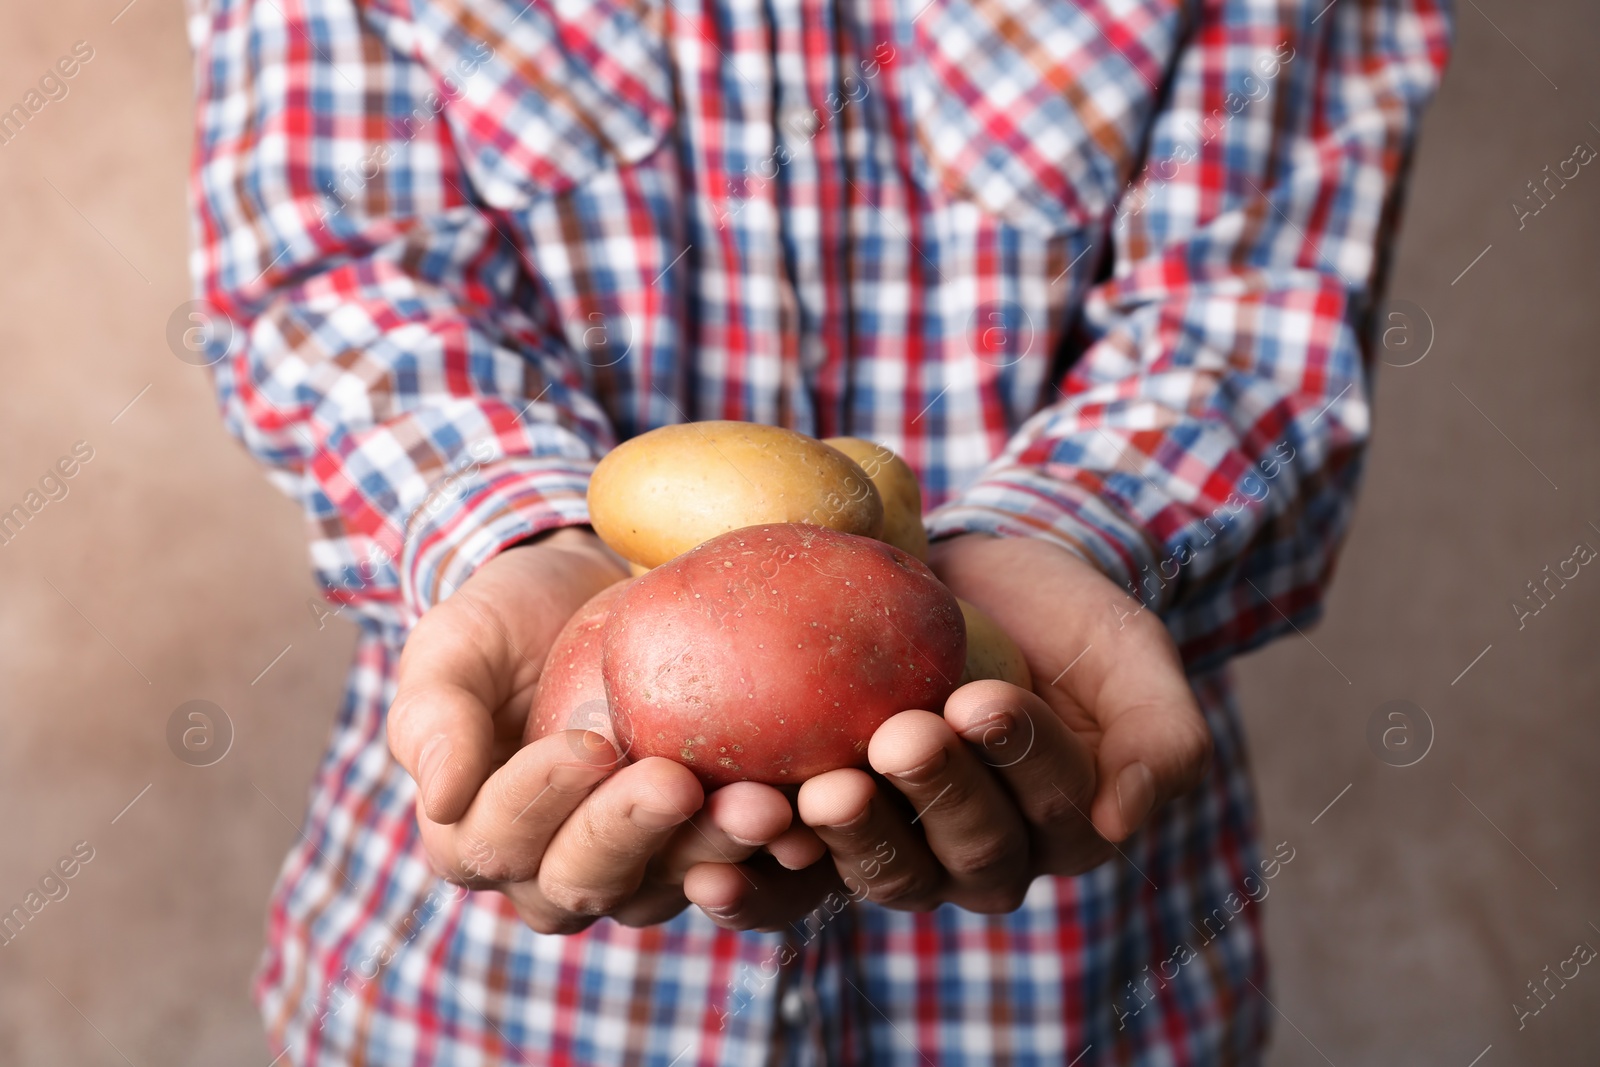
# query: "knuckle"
[[989, 858], [1056, 807], [479, 863], [1198, 751], [555, 924], [401, 712], [906, 890], [512, 800], [459, 866], [589, 833], [471, 880], [584, 900]]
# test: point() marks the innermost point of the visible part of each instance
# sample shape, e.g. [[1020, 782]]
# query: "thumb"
[[443, 736], [441, 722], [1149, 754]]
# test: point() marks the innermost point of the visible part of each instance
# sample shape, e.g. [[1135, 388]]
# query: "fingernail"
[[595, 742], [645, 819], [1136, 794], [851, 825], [433, 756], [742, 841], [989, 731], [925, 771], [571, 777]]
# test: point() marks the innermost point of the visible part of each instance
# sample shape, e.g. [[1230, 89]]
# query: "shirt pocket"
[[541, 96], [1035, 110]]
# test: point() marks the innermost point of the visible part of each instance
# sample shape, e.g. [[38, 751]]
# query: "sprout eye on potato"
[[780, 610]]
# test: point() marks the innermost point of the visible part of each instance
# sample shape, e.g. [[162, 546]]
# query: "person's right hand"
[[563, 827]]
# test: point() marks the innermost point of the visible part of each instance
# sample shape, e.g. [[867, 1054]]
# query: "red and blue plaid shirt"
[[1102, 272]]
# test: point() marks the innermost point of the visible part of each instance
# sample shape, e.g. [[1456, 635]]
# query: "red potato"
[[772, 653], [572, 693]]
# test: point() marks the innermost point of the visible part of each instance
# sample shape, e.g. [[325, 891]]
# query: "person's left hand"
[[1007, 785]]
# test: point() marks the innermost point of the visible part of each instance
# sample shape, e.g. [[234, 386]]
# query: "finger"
[[651, 906], [759, 895], [471, 663], [797, 848], [1048, 769], [540, 915], [968, 819], [1154, 743], [1149, 754], [872, 841], [597, 860], [749, 812], [503, 835], [735, 822], [1109, 661], [441, 723]]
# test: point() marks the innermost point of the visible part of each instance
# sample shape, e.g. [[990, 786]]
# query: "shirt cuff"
[[1027, 502], [506, 501]]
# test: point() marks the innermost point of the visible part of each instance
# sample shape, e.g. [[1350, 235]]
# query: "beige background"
[[1418, 905]]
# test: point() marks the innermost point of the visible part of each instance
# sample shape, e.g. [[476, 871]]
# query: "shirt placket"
[[723, 56], [810, 54]]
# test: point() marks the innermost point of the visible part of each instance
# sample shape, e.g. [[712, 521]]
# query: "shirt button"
[[793, 1008]]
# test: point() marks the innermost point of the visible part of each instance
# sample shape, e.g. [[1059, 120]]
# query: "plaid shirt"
[[1102, 272]]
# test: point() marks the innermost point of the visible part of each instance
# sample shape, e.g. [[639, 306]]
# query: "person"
[[1103, 274]]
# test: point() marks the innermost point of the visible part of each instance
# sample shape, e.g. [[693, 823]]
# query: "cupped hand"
[[970, 806], [564, 827]]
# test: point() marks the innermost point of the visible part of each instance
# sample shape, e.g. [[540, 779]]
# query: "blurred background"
[[1446, 846]]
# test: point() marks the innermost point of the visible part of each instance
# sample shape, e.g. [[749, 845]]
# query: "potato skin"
[[662, 493], [990, 651], [571, 694], [897, 484], [773, 653]]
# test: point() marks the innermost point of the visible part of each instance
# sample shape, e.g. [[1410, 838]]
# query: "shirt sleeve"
[[1204, 448], [367, 325]]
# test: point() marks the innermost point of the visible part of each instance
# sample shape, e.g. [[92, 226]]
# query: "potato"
[[990, 651], [897, 486], [772, 653], [571, 694], [664, 492]]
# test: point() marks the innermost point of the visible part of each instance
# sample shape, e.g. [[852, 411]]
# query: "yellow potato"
[[897, 485], [664, 492], [990, 651]]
